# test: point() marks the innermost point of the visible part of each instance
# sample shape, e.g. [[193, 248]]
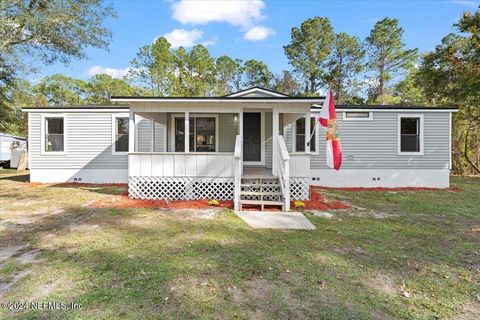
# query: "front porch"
[[210, 150]]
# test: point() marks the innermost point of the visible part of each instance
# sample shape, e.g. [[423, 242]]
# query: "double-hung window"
[[410, 135], [300, 135], [202, 134], [54, 134], [120, 136]]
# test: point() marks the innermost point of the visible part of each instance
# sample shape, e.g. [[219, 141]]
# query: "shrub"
[[299, 204], [213, 203]]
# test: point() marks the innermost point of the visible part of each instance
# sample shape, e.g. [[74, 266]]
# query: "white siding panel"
[[89, 143]]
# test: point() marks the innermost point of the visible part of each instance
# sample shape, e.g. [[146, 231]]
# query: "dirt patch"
[[6, 285], [384, 284], [6, 253], [471, 311]]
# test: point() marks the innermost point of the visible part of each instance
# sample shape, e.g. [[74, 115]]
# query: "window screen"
[[300, 135], [54, 134], [410, 135], [121, 135]]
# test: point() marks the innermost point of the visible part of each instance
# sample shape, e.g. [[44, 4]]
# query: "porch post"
[[187, 132], [131, 132], [152, 135], [240, 132], [275, 123], [307, 132]]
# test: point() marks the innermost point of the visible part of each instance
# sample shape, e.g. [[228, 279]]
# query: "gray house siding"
[[373, 144], [228, 129], [268, 139], [88, 142]]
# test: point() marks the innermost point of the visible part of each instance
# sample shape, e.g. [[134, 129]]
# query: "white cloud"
[[185, 38], [258, 33], [113, 72], [245, 14], [238, 13]]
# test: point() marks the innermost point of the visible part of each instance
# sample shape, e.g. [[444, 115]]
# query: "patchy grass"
[[401, 255]]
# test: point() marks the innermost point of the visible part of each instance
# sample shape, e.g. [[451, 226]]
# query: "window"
[[202, 134], [300, 135], [121, 134], [357, 115], [410, 134], [54, 134]]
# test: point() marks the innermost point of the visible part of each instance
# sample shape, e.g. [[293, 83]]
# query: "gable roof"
[[256, 92]]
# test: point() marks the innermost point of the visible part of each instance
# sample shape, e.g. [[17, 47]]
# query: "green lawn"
[[400, 255]]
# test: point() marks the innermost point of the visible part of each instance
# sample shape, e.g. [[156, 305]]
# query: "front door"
[[252, 147]]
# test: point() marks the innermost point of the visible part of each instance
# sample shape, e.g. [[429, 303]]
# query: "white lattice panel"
[[180, 188], [299, 188]]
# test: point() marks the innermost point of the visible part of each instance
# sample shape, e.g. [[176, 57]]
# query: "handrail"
[[283, 170], [238, 171]]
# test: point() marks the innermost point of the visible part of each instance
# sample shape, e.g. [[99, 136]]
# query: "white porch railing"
[[238, 171], [178, 164], [282, 164]]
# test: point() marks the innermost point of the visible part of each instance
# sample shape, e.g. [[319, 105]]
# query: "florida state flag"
[[328, 119]]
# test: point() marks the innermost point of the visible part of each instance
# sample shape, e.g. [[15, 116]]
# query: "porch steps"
[[260, 191]]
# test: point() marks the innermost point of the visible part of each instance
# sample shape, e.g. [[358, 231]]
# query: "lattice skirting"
[[299, 188], [180, 188]]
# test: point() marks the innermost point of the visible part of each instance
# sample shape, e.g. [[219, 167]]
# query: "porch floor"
[[257, 171]]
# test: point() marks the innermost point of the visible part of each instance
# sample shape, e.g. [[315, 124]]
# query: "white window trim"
[[370, 116], [194, 115], [114, 132], [294, 136], [43, 133], [421, 139]]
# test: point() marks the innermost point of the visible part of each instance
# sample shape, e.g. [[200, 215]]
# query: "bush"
[[299, 204], [213, 203]]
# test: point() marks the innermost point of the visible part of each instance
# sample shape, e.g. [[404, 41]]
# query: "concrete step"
[[261, 193], [260, 185], [262, 202]]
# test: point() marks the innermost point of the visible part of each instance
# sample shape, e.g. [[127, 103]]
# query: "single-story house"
[[252, 146]]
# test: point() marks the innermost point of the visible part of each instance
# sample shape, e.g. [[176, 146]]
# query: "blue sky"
[[254, 28]]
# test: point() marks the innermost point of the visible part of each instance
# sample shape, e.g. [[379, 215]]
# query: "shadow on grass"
[[16, 178]]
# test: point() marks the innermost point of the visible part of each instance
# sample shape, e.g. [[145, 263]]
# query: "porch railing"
[[238, 168], [282, 160]]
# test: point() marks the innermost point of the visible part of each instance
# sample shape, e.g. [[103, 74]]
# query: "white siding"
[[372, 144], [88, 143]]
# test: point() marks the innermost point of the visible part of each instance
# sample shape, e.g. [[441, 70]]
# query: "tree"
[[229, 75], [200, 79], [52, 30], [102, 86], [287, 84], [257, 73], [154, 67], [344, 65], [409, 92], [60, 89], [44, 31], [308, 51], [387, 56], [450, 76]]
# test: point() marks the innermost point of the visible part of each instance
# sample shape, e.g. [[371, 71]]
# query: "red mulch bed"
[[391, 189], [123, 201], [318, 202]]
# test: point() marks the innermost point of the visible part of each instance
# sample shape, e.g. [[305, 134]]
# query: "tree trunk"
[[465, 149]]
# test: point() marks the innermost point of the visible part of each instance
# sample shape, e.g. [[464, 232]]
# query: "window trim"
[[114, 132], [43, 134], [294, 136], [399, 134], [195, 115], [345, 118]]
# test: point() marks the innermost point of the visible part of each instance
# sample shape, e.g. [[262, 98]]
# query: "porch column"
[[240, 132], [152, 135], [275, 121], [131, 132], [307, 132], [187, 132]]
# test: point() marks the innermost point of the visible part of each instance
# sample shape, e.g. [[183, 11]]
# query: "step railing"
[[238, 168], [282, 165]]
